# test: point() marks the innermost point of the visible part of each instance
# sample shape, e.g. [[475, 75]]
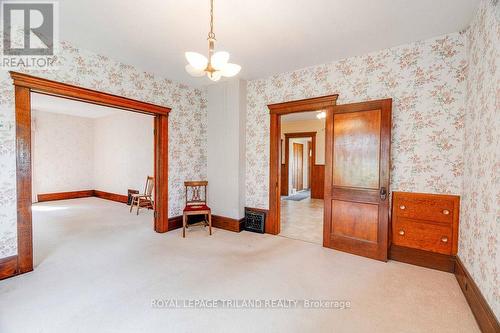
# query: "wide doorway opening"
[[86, 159], [302, 175], [28, 87]]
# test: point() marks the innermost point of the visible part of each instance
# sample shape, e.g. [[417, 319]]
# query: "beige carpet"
[[99, 268]]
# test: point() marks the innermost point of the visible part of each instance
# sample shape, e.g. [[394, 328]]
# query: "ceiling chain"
[[211, 34]]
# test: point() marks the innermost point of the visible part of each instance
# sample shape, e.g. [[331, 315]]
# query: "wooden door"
[[298, 166], [357, 166], [309, 164]]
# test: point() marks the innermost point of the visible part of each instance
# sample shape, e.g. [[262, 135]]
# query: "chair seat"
[[194, 208]]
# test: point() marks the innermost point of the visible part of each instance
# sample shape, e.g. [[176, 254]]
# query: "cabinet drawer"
[[422, 235], [429, 209]]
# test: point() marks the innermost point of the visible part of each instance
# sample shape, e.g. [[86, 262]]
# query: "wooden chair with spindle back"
[[146, 197], [196, 204]]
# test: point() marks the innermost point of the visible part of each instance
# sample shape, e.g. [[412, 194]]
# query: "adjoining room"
[[86, 160]]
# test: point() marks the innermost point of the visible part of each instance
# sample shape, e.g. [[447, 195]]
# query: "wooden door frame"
[[24, 85], [311, 135], [273, 225]]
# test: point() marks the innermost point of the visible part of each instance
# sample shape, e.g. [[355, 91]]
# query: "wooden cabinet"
[[426, 222]]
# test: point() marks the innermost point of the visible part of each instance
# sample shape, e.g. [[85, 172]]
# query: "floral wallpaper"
[[426, 81], [54, 135], [187, 124], [479, 241]]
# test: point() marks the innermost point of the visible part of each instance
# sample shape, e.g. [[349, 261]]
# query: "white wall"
[[123, 152], [111, 154], [226, 148], [63, 149]]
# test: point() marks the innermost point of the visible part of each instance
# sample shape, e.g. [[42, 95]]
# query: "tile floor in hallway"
[[302, 220]]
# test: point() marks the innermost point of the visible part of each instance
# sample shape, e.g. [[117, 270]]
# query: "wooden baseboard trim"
[[220, 222], [8, 267], [174, 222], [227, 223], [441, 262], [65, 195], [482, 312], [82, 194], [111, 196]]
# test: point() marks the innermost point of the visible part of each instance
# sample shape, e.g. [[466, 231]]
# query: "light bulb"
[[230, 70], [194, 72], [198, 61], [219, 60], [321, 115]]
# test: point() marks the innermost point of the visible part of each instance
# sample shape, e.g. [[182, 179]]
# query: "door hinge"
[[155, 214]]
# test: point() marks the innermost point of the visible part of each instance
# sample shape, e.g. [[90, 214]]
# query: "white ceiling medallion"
[[217, 65]]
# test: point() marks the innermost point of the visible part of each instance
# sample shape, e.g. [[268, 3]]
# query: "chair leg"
[[183, 225], [210, 223], [138, 205], [132, 204]]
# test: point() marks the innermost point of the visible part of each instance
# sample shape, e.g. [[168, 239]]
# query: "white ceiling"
[[299, 116], [265, 37], [60, 105]]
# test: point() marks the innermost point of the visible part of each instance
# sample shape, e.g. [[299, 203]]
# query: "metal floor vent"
[[254, 221]]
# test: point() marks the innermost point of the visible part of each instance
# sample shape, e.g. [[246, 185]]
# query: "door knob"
[[402, 232], [383, 193]]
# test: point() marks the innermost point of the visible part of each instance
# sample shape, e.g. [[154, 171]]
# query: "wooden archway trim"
[[276, 111], [303, 105], [50, 87], [25, 84]]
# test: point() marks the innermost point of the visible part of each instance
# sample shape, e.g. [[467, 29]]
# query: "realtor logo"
[[29, 34]]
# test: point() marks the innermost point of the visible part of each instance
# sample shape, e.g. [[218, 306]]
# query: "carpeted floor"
[[99, 268]]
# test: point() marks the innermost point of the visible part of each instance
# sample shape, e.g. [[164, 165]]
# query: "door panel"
[[298, 169], [356, 139], [309, 164], [357, 178], [364, 216]]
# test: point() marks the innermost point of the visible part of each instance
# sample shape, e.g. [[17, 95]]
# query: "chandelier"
[[217, 65]]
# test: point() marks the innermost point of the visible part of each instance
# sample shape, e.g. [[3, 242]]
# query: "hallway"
[[302, 220]]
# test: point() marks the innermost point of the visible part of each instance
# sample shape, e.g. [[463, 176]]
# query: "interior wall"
[[62, 149], [226, 148], [123, 152], [479, 241], [426, 81], [111, 153], [312, 125], [187, 124]]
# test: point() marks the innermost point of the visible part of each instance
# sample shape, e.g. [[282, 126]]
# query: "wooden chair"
[[146, 197], [196, 204]]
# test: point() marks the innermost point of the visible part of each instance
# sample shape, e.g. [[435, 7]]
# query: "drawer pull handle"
[[444, 239], [402, 207], [446, 212], [402, 232]]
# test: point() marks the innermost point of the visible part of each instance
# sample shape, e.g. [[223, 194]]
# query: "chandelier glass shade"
[[217, 64]]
